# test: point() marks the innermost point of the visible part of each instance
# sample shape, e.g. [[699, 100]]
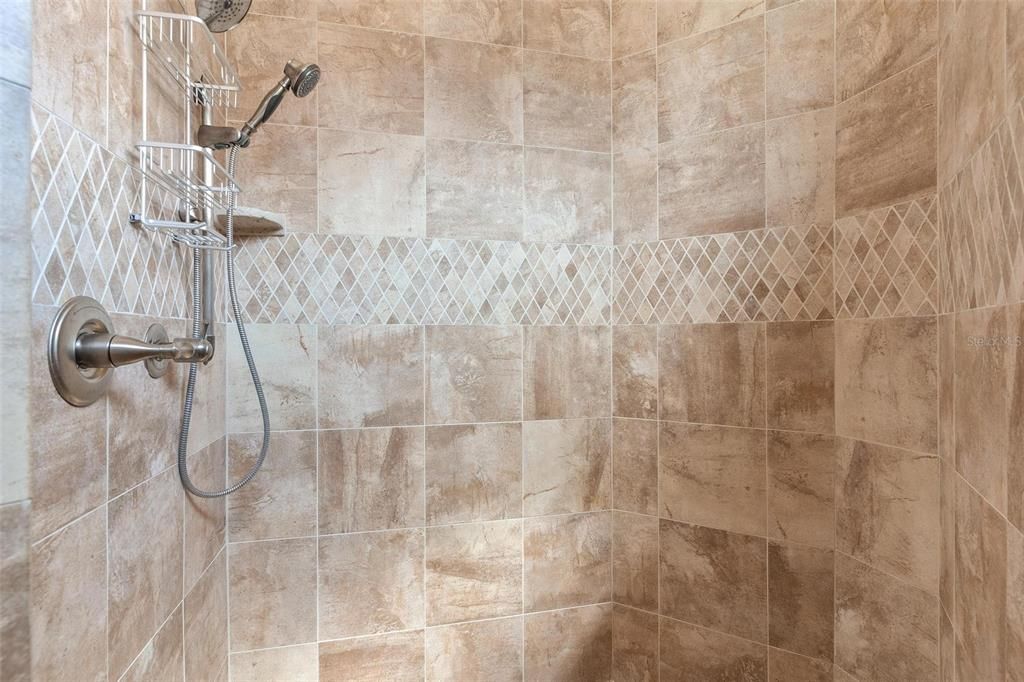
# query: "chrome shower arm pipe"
[[114, 350], [206, 262]]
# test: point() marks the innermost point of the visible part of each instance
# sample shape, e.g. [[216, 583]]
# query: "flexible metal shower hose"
[[186, 412]]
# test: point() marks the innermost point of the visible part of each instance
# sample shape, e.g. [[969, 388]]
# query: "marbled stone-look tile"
[[713, 373], [273, 589], [370, 583], [145, 527], [68, 61], [885, 629], [712, 183], [161, 658], [1014, 51], [392, 15], [801, 475], [371, 183], [635, 101], [485, 650], [635, 465], [799, 60], [205, 518], [800, 169], [288, 381], [947, 381], [568, 196], [800, 581], [876, 40], [783, 665], [715, 579], [206, 625], [474, 473], [635, 560], [885, 142], [801, 383], [574, 644], [67, 445], [256, 49], [281, 169], [947, 535], [68, 614], [691, 652], [567, 466], [981, 587], [989, 405], [276, 503], [15, 592], [142, 444], [370, 479], [634, 644], [947, 648], [294, 663], [634, 26], [398, 656], [576, 27], [370, 376], [713, 476], [474, 190], [635, 196], [376, 80], [482, 21], [711, 81], [567, 561], [474, 571], [887, 510], [887, 382], [565, 372], [679, 18], [1014, 600], [473, 91], [635, 371], [566, 101], [474, 374]]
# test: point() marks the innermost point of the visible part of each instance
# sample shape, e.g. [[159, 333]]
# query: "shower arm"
[[206, 261]]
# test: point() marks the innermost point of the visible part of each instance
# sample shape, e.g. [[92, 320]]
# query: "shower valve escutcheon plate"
[[83, 351]]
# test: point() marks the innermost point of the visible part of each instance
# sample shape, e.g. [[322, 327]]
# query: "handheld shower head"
[[222, 15], [299, 78]]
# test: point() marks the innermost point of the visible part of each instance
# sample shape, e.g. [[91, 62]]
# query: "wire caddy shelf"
[[189, 55]]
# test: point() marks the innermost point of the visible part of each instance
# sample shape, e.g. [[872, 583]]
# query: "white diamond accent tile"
[[770, 274], [332, 279], [887, 261], [82, 242]]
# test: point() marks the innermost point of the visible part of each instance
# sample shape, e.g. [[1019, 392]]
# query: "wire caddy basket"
[[175, 190]]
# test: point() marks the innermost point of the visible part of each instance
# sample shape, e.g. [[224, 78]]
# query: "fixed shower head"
[[303, 77], [299, 78], [222, 15]]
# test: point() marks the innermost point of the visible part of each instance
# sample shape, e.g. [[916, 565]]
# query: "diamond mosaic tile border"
[[328, 279], [982, 223], [887, 261], [82, 242], [769, 274]]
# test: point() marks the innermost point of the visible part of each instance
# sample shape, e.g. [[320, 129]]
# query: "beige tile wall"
[[778, 406]]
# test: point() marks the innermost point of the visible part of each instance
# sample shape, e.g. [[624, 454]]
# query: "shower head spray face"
[[302, 77], [222, 15]]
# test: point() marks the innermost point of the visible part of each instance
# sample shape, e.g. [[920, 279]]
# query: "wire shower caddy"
[[196, 65]]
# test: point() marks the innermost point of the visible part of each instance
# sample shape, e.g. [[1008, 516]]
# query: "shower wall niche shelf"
[[187, 174]]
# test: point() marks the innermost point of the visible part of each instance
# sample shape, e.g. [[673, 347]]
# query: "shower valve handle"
[[114, 350]]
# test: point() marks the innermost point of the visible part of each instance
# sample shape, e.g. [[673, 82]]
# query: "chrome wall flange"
[[78, 385], [157, 367]]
